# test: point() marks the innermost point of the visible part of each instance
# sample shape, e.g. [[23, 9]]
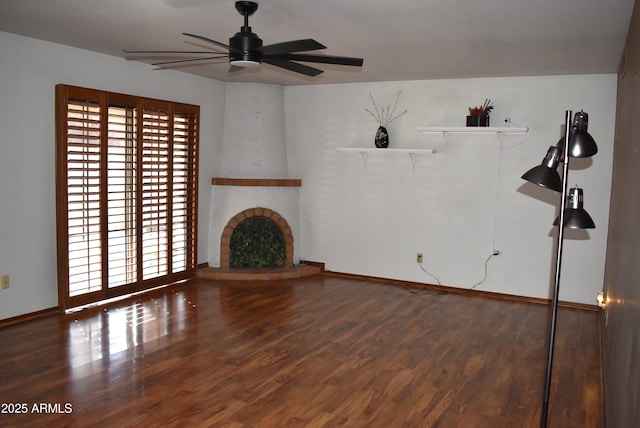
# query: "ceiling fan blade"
[[324, 59], [292, 66], [234, 68], [292, 46], [180, 61], [222, 45], [131, 51]]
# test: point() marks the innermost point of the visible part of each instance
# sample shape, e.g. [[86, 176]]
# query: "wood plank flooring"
[[320, 351]]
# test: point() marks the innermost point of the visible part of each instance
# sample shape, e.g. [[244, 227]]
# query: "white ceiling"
[[398, 39]]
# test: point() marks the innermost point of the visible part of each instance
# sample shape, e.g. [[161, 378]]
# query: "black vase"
[[382, 138]]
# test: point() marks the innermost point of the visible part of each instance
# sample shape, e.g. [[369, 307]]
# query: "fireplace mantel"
[[259, 182]]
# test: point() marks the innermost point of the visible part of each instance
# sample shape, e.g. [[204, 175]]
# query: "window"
[[126, 193]]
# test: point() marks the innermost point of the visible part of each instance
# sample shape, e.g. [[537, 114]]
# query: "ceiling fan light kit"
[[245, 49], [245, 63]]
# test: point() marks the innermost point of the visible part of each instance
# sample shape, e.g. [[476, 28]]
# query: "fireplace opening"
[[257, 242], [260, 215]]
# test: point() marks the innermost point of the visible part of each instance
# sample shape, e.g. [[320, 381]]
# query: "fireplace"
[[253, 146], [233, 200]]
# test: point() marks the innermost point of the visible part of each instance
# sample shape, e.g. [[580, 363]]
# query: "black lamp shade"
[[575, 216], [581, 144], [546, 174]]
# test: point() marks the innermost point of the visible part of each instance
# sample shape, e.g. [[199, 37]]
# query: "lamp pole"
[[577, 143], [556, 287]]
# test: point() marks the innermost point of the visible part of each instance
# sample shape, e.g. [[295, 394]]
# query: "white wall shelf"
[[472, 130], [364, 153]]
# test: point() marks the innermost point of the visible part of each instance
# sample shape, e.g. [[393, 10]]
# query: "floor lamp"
[[576, 143]]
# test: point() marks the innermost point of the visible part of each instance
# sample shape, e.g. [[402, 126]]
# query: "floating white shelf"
[[365, 151], [473, 129], [469, 130]]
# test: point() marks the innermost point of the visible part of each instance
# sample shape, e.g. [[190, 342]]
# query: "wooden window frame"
[[175, 183]]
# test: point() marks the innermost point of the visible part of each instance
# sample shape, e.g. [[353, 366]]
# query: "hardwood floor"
[[320, 351]]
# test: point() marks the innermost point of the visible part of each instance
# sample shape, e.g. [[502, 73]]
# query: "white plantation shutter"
[[126, 193]]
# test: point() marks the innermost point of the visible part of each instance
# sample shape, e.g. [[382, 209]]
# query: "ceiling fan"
[[245, 49]]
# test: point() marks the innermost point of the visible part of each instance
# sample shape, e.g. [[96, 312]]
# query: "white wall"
[[460, 203], [29, 71]]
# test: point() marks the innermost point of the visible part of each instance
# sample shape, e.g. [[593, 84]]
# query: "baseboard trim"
[[463, 291], [312, 263], [28, 317]]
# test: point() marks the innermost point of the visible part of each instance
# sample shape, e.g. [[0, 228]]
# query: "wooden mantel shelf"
[[256, 182]]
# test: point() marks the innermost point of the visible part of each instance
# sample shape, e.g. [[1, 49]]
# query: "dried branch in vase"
[[385, 115]]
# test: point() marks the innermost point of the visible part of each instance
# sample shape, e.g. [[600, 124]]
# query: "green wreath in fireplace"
[[257, 242]]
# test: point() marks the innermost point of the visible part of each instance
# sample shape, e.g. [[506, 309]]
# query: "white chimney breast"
[[254, 153], [253, 142]]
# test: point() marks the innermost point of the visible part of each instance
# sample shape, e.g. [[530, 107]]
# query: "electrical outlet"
[[5, 282], [419, 257]]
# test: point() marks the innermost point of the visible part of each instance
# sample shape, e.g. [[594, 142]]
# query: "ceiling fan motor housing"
[[243, 46]]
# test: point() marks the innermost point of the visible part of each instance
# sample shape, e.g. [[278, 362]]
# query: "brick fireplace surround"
[[260, 191]]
